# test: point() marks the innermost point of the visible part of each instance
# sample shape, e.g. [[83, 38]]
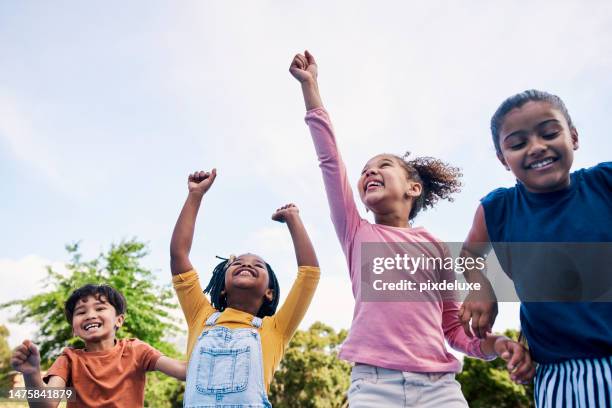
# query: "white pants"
[[374, 387]]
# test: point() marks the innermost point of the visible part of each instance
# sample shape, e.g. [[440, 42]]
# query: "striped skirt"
[[574, 383]]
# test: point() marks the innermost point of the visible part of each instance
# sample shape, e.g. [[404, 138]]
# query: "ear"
[[269, 295], [574, 136], [500, 157], [414, 190], [119, 321]]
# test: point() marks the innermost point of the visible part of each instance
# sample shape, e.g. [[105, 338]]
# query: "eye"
[[260, 266], [551, 135], [100, 308], [385, 165], [517, 146], [363, 171]]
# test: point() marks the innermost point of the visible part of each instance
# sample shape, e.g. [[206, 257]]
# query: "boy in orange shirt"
[[108, 372]]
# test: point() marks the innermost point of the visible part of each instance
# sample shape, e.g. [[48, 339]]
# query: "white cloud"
[[23, 278]]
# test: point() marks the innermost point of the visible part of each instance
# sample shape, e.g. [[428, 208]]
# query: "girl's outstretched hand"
[[286, 211], [520, 366], [200, 181], [304, 68]]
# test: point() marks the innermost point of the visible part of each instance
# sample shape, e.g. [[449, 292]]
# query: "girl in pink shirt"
[[397, 347]]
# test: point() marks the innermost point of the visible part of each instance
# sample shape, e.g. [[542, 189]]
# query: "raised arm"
[[304, 251], [182, 237], [291, 313], [26, 360], [479, 307], [305, 70], [344, 213]]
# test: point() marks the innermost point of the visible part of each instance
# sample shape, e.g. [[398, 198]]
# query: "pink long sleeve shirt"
[[405, 336]]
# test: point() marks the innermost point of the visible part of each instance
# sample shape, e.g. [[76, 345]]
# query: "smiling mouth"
[[245, 272], [541, 164], [373, 185], [90, 326]]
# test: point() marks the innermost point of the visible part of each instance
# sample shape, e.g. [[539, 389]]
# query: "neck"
[[100, 345], [393, 218], [250, 306]]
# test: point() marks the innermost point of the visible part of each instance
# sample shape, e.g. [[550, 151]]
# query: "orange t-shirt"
[[109, 378]]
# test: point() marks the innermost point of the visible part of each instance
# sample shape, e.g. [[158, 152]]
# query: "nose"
[[536, 146], [370, 171]]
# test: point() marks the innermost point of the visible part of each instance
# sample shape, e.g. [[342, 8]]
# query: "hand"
[[200, 181], [520, 366], [304, 68], [286, 211], [26, 358], [481, 308]]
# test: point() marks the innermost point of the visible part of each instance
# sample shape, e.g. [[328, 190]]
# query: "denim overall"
[[226, 368]]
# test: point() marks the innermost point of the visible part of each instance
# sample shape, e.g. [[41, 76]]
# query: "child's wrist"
[[196, 194]]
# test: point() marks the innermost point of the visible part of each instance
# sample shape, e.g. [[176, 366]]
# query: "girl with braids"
[[397, 348], [236, 343]]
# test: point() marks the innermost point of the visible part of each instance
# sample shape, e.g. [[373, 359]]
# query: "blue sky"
[[105, 108]]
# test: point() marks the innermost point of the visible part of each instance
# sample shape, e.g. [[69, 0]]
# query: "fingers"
[[521, 366], [199, 176], [464, 317], [484, 325], [309, 58], [475, 320]]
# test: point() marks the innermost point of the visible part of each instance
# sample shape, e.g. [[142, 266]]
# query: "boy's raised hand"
[[26, 358], [520, 366], [286, 211], [303, 67], [200, 181]]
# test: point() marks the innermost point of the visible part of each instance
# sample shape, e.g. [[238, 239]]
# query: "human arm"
[[187, 285], [182, 236], [304, 251], [305, 70], [26, 360], [479, 307], [172, 367], [291, 313], [519, 362], [344, 214]]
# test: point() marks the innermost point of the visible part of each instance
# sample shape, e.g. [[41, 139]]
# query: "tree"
[[147, 318], [488, 384], [310, 374], [5, 358]]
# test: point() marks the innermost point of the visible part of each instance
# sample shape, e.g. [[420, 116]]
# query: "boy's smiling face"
[[95, 319], [537, 145]]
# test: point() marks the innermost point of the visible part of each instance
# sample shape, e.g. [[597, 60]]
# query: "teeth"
[[374, 183], [89, 326], [540, 164]]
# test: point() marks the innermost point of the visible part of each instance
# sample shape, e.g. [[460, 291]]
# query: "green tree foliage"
[[310, 373], [148, 309], [487, 384], [5, 358]]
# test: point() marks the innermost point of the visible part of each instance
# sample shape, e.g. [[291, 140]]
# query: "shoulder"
[[497, 195], [601, 173]]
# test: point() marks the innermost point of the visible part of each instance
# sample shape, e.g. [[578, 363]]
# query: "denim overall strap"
[[212, 320], [226, 368], [257, 322]]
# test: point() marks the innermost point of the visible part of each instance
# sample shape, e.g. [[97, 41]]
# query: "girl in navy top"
[[572, 341]]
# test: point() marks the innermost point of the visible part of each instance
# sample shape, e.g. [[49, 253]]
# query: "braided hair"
[[217, 285]]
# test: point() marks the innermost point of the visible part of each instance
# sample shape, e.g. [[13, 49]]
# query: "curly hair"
[[216, 286], [439, 180]]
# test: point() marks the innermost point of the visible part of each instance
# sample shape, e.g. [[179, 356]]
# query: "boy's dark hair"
[[439, 180], [217, 285], [518, 100], [112, 296]]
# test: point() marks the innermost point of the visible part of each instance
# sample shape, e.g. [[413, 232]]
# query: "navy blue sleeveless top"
[[582, 212]]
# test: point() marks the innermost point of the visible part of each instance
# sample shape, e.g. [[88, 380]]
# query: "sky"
[[105, 108]]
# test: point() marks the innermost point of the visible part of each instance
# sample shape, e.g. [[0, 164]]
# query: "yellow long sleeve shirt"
[[275, 332]]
